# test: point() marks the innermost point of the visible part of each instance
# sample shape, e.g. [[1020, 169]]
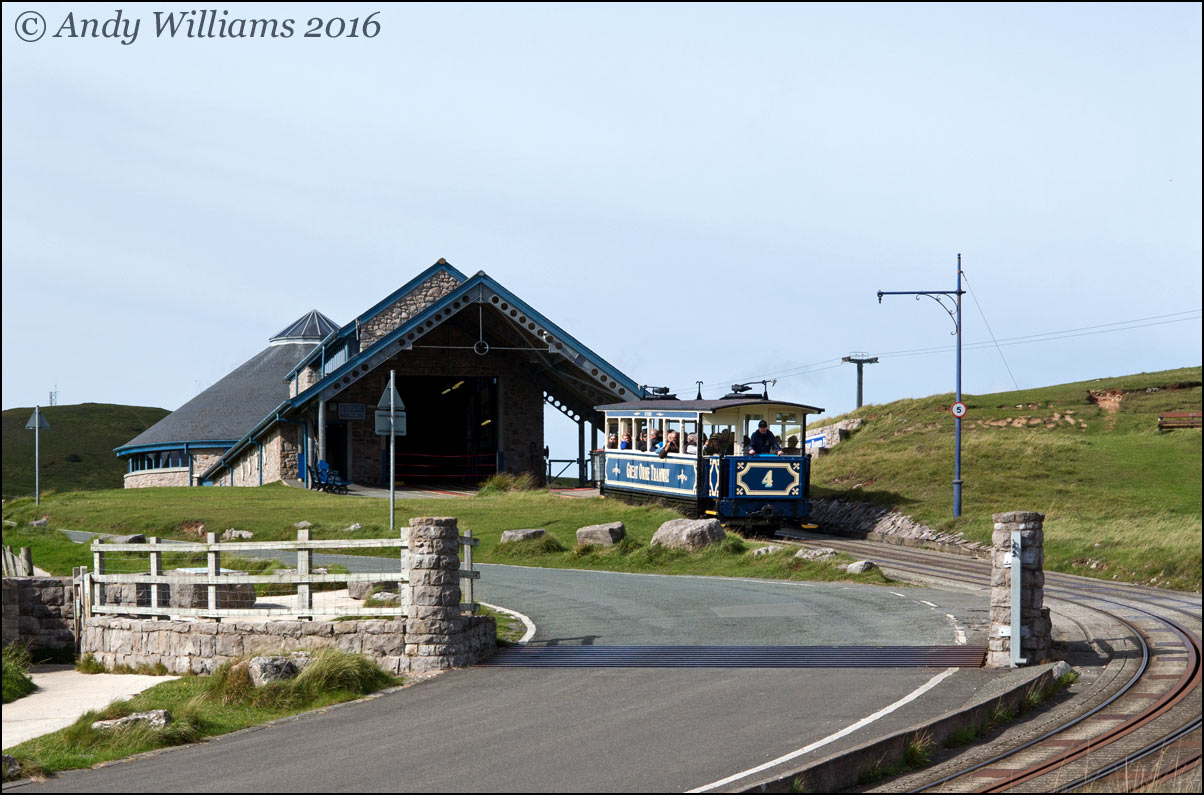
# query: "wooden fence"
[[18, 564], [90, 588]]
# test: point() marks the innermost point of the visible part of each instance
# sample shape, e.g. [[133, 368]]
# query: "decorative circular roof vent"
[[310, 327]]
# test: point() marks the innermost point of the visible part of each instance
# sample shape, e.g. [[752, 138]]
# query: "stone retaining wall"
[[875, 523], [38, 612], [833, 434], [201, 646], [433, 635]]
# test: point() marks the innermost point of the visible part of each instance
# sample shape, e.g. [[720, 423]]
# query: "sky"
[[709, 193]]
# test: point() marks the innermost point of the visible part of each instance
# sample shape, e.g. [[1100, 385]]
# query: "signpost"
[[36, 423], [391, 419]]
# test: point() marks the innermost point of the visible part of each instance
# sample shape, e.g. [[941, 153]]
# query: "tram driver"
[[762, 441]]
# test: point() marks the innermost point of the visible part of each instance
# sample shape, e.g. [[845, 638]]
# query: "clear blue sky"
[[711, 192]]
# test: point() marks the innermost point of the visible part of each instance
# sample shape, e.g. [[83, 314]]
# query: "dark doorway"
[[451, 430], [336, 448]]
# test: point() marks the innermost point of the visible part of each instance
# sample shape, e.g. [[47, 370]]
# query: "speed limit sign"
[[958, 409]]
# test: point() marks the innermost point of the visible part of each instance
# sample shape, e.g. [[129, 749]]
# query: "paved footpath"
[[606, 729], [63, 695]]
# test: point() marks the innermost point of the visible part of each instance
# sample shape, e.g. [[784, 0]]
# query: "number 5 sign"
[[958, 409]]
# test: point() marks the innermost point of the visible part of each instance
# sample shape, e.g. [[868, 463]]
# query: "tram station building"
[[475, 366]]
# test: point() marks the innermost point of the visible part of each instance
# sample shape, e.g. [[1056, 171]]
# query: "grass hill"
[[77, 452], [1122, 500]]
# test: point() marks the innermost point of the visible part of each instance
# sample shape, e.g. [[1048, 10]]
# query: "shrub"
[[16, 672]]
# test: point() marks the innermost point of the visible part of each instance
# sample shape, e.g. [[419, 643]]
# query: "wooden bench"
[[1168, 420]]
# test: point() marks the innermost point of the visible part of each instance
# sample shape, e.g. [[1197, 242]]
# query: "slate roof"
[[310, 327], [227, 410]]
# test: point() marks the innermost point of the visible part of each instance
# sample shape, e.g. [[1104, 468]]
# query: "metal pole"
[[957, 427], [860, 365], [392, 457], [37, 423], [955, 314]]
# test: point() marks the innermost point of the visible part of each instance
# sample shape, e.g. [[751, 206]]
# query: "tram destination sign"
[[651, 473]]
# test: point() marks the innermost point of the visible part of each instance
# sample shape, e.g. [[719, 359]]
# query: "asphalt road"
[[503, 729]]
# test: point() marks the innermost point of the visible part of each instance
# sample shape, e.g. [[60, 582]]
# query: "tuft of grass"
[[530, 547], [963, 736], [88, 664], [14, 664], [919, 751], [510, 629], [202, 706], [504, 482]]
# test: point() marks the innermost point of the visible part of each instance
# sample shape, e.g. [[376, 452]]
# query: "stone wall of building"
[[169, 476], [279, 459], [406, 307], [1036, 628], [39, 612]]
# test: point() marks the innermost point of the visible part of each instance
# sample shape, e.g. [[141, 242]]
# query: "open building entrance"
[[452, 431]]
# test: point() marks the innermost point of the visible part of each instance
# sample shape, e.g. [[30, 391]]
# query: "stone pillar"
[[434, 627], [1035, 625]]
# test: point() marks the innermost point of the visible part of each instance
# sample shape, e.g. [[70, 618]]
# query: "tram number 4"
[[767, 481]]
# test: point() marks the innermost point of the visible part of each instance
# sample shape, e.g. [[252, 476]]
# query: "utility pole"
[[955, 313], [859, 359]]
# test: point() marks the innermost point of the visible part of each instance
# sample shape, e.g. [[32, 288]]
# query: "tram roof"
[[654, 407]]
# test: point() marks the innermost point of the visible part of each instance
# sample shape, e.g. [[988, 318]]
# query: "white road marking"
[[901, 596], [528, 623], [912, 696], [959, 633], [930, 604]]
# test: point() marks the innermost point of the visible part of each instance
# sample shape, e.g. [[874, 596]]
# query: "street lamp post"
[[955, 312]]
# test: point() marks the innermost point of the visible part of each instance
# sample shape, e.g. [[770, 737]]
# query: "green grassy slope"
[[88, 431], [1121, 499]]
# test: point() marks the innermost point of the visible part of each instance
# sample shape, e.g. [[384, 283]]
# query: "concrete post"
[[434, 626], [1035, 625]]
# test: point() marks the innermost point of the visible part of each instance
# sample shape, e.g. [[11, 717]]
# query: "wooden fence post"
[[27, 561], [156, 570], [98, 567], [305, 559], [215, 566]]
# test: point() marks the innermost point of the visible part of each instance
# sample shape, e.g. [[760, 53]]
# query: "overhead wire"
[[988, 325], [1048, 336]]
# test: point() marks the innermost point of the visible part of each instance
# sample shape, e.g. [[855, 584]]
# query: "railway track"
[[1144, 736]]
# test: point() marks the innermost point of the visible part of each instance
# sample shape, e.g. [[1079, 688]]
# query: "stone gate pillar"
[[1035, 625], [434, 626]]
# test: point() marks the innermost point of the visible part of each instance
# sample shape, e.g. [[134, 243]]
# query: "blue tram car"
[[705, 466]]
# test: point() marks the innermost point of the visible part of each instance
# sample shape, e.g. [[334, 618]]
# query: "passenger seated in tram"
[[672, 444], [625, 442], [642, 444], [612, 442], [791, 446], [692, 443], [654, 441], [763, 442]]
